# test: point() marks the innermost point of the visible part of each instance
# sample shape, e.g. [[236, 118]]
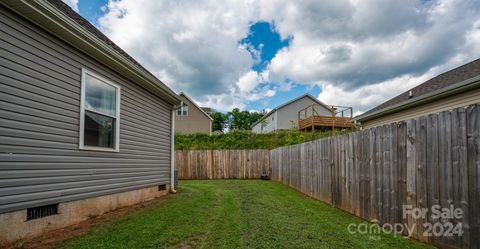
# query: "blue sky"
[[91, 9], [256, 55], [266, 40], [262, 37]]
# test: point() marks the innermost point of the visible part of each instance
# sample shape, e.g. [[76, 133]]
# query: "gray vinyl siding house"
[[282, 117], [41, 162]]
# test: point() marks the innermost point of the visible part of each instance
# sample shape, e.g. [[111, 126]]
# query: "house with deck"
[[458, 87], [304, 113], [84, 128], [191, 118]]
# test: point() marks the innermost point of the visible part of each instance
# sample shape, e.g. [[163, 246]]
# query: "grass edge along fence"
[[375, 173]]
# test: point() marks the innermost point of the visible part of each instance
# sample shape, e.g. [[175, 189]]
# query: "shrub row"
[[248, 140]]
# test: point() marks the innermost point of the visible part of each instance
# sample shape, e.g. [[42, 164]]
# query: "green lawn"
[[235, 214]]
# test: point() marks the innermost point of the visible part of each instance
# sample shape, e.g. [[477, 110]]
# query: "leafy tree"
[[254, 117], [219, 121], [242, 120], [236, 119]]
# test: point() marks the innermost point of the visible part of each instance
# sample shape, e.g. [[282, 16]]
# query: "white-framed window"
[[183, 110], [99, 113]]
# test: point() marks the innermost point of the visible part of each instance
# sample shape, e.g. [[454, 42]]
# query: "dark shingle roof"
[[443, 80], [67, 10]]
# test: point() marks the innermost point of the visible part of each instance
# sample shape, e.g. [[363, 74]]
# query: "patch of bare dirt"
[[53, 238]]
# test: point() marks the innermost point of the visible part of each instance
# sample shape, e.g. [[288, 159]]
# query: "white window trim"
[[82, 114], [181, 110]]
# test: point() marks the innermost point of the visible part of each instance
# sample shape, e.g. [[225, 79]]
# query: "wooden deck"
[[321, 122], [309, 119]]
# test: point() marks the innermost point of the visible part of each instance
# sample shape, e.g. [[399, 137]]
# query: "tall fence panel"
[[374, 173], [221, 164]]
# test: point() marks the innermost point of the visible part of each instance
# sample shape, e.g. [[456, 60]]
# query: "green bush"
[[248, 140]]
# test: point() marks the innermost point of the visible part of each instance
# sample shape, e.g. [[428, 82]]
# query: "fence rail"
[[221, 164], [431, 160]]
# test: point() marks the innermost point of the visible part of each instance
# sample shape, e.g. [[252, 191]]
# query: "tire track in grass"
[[226, 223], [235, 214]]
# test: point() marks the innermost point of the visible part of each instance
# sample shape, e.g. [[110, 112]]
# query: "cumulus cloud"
[[368, 96], [191, 45], [370, 41], [249, 81], [360, 52]]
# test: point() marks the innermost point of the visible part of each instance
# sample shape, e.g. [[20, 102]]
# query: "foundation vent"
[[162, 187], [43, 211]]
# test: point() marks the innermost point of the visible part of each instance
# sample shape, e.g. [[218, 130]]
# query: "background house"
[[456, 88], [84, 128], [190, 118], [284, 116]]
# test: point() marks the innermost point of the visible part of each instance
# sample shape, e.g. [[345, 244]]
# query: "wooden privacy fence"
[[431, 160], [221, 164]]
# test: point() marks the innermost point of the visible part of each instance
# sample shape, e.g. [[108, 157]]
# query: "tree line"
[[234, 120]]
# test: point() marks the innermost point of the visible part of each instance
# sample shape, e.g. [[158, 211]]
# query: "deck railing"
[[340, 117]]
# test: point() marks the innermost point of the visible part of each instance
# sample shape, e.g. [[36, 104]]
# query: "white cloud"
[[192, 46], [249, 81], [371, 44], [223, 102], [234, 98], [72, 3], [360, 51], [368, 96]]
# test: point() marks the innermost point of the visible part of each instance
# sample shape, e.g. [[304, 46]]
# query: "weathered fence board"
[[473, 162], [426, 161], [222, 164], [402, 169]]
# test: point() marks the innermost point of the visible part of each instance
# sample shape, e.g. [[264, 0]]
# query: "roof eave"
[[456, 88], [56, 22]]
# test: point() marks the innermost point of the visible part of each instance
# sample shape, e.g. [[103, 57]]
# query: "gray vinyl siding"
[[270, 124], [289, 113], [40, 163], [281, 118]]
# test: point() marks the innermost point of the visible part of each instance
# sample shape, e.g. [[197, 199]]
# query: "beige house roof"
[[195, 104]]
